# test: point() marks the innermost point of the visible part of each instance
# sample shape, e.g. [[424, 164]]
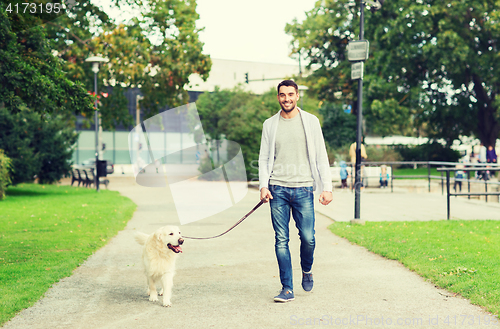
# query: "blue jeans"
[[300, 200]]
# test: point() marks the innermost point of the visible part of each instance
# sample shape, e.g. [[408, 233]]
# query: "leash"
[[238, 222]]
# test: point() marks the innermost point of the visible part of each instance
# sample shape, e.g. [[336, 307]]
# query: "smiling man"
[[292, 164]]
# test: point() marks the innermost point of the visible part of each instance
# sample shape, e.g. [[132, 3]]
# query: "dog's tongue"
[[177, 248]]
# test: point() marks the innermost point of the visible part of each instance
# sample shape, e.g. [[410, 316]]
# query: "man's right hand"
[[265, 194]]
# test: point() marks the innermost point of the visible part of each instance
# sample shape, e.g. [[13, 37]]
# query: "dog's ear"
[[159, 236]]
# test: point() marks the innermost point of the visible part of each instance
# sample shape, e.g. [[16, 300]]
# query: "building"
[[226, 74]]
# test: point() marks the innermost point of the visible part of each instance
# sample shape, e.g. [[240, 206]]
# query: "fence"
[[117, 147], [429, 177], [468, 170]]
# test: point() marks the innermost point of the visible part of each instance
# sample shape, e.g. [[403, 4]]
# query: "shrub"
[[428, 152], [5, 170], [382, 154]]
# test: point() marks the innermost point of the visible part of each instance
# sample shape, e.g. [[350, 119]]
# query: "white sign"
[[357, 71], [358, 50]]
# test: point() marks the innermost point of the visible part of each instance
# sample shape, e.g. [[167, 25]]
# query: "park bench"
[[76, 177], [88, 177]]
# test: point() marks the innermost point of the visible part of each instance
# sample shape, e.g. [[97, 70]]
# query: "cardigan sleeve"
[[264, 158], [322, 161]]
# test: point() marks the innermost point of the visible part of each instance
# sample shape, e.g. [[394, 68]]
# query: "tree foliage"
[[157, 51], [238, 116], [31, 78], [5, 173], [339, 127], [39, 147], [433, 65]]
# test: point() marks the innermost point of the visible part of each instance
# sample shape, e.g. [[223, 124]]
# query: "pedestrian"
[[459, 177], [292, 164], [482, 153], [491, 155], [352, 154], [343, 174], [384, 176]]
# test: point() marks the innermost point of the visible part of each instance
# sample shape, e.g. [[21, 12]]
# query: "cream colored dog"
[[159, 255]]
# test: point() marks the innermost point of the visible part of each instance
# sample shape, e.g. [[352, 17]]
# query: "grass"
[[419, 171], [460, 256], [46, 232]]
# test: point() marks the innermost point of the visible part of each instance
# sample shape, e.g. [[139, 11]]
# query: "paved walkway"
[[229, 282]]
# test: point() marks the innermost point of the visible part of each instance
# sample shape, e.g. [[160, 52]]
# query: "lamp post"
[[302, 91], [95, 60], [375, 5]]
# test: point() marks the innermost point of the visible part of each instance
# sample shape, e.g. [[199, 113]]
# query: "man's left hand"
[[325, 198]]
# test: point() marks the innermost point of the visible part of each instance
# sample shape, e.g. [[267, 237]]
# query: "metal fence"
[[450, 166], [468, 170]]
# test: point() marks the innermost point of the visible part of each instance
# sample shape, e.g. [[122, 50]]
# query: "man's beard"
[[287, 111]]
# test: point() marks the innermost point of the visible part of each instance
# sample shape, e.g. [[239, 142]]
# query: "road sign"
[[358, 50], [357, 70]]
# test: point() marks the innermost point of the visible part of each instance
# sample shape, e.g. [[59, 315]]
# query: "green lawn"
[[418, 171], [46, 232], [460, 256]]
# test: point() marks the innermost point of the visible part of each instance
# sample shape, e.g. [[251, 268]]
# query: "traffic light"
[[246, 77]]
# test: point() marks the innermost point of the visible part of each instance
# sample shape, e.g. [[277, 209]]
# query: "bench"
[[76, 177]]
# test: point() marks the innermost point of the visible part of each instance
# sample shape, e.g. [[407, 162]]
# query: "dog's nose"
[[181, 241]]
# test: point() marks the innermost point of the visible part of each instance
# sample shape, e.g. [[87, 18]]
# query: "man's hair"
[[288, 83]]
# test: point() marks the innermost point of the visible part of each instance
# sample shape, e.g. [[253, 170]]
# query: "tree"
[[31, 78], [339, 128], [157, 51], [39, 147], [36, 102], [431, 63]]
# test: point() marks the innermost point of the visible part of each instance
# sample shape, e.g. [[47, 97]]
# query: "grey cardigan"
[[316, 150]]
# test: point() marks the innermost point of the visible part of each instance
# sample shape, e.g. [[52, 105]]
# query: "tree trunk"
[[488, 126]]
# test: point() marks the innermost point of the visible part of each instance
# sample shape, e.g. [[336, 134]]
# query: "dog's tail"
[[141, 237]]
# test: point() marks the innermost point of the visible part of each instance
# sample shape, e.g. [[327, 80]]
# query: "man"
[[292, 163], [352, 154]]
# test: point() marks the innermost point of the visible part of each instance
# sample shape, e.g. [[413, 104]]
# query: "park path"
[[229, 282]]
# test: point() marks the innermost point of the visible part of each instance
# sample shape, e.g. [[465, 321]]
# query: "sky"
[[242, 30], [250, 30]]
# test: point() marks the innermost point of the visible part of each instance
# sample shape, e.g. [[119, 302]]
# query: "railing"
[[468, 170], [429, 176]]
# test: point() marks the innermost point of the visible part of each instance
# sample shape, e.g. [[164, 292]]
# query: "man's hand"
[[325, 198], [265, 194]]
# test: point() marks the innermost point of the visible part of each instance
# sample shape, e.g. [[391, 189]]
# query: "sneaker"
[[284, 296], [307, 281]]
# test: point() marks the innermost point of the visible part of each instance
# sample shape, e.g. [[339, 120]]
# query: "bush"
[[428, 152], [5, 169], [382, 154], [38, 146]]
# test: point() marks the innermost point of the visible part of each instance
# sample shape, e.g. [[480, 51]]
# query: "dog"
[[159, 254]]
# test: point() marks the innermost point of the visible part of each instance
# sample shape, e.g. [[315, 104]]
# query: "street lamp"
[[359, 54], [302, 91], [95, 60]]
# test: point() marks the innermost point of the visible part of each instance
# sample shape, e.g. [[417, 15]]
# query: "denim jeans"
[[300, 201]]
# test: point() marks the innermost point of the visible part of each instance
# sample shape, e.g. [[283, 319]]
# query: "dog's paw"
[[167, 303], [153, 298], [161, 292]]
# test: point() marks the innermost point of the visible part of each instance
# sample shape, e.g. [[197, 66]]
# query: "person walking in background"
[[482, 153], [343, 174], [384, 176], [491, 155], [459, 177], [292, 164], [352, 154]]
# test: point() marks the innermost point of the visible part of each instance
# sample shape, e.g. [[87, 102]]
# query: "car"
[[90, 163]]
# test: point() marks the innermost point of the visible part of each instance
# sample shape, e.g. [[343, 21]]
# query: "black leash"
[[242, 219]]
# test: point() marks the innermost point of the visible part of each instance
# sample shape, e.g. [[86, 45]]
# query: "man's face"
[[288, 97]]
